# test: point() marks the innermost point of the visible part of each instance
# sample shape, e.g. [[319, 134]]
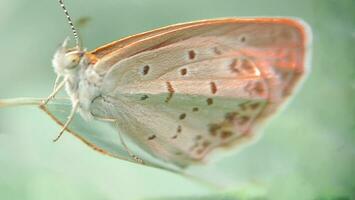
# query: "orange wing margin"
[[118, 44]]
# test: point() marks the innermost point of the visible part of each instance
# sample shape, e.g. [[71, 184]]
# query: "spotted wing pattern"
[[183, 92]]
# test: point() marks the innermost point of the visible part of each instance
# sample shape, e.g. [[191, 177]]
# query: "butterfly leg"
[[104, 119], [56, 82], [70, 119], [136, 158], [114, 120], [57, 87]]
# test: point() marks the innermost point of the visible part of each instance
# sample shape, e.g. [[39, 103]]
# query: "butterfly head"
[[66, 60]]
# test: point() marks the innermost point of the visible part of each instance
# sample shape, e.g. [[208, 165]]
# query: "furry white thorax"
[[82, 82]]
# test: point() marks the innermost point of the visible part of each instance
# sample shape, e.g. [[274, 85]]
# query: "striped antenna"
[[75, 33]]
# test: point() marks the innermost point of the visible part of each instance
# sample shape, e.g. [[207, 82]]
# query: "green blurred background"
[[307, 152]]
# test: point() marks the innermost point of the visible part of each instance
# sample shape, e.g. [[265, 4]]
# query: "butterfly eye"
[[72, 59]]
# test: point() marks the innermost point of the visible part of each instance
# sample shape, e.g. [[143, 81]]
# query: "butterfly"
[[182, 92]]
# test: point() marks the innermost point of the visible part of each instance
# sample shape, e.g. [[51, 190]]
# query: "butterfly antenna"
[[75, 33]]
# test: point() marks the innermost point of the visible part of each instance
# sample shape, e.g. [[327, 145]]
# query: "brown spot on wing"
[[182, 116], [213, 87], [226, 134], [231, 116], [144, 97], [209, 101], [259, 88], [183, 71], [213, 129], [152, 137], [254, 106], [192, 54], [146, 69], [170, 90], [178, 129], [243, 120]]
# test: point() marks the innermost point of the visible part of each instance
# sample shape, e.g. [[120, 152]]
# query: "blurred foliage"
[[307, 152]]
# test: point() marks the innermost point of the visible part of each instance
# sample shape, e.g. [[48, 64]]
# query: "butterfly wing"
[[183, 92]]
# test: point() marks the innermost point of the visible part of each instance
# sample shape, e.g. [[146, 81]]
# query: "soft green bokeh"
[[307, 152]]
